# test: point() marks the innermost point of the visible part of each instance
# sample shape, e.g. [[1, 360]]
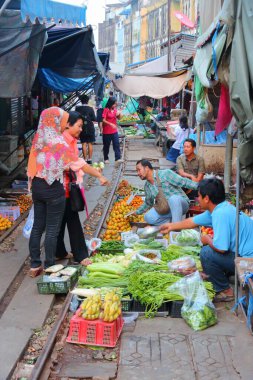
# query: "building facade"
[[136, 30]]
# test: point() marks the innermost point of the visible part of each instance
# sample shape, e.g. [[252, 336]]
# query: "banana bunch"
[[111, 306], [90, 308]]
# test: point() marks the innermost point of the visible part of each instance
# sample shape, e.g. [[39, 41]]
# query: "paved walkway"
[[166, 348]]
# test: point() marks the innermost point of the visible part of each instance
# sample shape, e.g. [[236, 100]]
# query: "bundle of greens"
[[175, 251], [149, 284], [150, 289]]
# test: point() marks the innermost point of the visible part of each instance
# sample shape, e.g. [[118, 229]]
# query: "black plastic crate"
[[137, 306], [175, 309], [126, 304]]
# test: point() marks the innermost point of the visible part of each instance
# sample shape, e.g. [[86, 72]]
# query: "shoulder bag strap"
[[72, 175], [158, 180]]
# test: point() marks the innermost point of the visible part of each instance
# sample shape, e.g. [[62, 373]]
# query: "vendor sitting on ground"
[[170, 185], [190, 165], [218, 254]]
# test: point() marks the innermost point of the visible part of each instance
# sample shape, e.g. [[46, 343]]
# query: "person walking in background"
[[87, 136], [110, 131], [50, 155], [99, 115], [181, 133], [105, 99], [71, 218]]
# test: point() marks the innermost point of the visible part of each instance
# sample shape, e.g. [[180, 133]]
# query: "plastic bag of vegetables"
[[151, 256], [198, 311], [187, 237]]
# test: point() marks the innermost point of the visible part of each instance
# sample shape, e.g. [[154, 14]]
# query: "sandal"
[[68, 256], [34, 272], [224, 297]]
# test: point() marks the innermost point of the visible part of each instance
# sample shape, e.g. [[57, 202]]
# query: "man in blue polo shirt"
[[218, 253]]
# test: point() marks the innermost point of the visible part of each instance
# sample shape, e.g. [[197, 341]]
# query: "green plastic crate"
[[58, 286]]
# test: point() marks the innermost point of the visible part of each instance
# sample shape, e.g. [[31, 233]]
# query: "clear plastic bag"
[[198, 311], [131, 240], [148, 255], [188, 237], [93, 244], [182, 264], [27, 229]]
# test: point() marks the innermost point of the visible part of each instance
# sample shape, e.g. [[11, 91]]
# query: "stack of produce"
[[90, 308], [147, 283], [117, 222], [129, 118], [124, 188], [111, 307], [107, 308], [103, 274], [5, 223], [113, 246], [130, 131], [207, 231], [24, 202]]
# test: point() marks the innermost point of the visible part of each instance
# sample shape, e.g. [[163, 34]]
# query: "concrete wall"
[[214, 156]]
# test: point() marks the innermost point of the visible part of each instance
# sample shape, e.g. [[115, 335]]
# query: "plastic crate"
[[94, 333], [137, 306], [126, 304], [175, 309], [57, 287], [10, 212]]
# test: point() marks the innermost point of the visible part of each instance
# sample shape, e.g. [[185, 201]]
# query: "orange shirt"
[[72, 142]]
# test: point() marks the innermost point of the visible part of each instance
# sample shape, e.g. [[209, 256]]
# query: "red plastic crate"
[[94, 333]]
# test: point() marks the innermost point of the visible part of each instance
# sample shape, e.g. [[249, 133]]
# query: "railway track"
[[42, 366]]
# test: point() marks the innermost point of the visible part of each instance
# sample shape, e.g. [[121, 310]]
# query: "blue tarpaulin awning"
[[56, 82], [71, 11], [71, 52]]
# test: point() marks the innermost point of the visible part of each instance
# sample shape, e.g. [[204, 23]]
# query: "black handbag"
[[77, 202]]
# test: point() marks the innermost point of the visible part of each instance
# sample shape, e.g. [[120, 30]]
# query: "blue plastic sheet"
[[53, 9], [56, 82]]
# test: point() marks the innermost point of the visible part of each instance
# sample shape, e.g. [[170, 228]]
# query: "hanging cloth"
[[224, 113]]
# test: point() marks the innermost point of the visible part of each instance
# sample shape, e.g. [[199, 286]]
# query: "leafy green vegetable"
[[188, 237], [175, 251], [98, 282], [200, 318], [106, 268], [150, 289]]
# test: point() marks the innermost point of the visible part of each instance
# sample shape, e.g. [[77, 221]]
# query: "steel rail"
[[48, 347]]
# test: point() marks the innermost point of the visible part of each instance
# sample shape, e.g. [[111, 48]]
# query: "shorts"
[[87, 138], [99, 115]]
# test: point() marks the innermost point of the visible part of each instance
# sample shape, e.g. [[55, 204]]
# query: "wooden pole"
[[228, 163]]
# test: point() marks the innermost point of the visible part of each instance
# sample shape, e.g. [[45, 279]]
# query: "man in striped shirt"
[[171, 184]]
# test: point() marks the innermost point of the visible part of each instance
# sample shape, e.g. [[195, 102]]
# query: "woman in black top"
[[87, 136]]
